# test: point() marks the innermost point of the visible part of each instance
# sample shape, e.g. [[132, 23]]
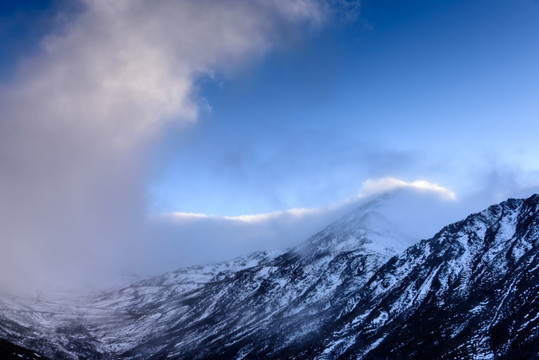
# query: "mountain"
[[358, 289]]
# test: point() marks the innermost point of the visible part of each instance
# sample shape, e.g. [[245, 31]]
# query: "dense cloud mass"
[[78, 117]]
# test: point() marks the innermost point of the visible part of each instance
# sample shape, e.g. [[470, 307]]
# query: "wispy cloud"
[[369, 188], [374, 186], [418, 208]]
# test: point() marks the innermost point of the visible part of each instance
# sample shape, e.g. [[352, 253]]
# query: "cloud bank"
[[79, 116], [417, 208]]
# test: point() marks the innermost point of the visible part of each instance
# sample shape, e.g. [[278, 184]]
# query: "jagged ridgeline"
[[352, 291]]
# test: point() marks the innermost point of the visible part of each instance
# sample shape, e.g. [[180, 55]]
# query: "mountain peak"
[[364, 229]]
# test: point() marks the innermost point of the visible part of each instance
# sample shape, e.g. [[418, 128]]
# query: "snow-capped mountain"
[[358, 289]]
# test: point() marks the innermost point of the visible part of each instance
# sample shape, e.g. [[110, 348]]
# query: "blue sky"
[[182, 132], [417, 89]]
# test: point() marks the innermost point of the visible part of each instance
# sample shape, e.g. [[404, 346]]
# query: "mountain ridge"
[[470, 291]]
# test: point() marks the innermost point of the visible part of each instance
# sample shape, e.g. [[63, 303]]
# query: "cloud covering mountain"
[[78, 117]]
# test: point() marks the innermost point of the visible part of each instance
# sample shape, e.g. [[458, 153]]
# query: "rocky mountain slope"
[[354, 290]]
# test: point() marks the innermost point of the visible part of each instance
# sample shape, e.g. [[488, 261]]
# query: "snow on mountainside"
[[472, 291], [357, 289], [367, 228]]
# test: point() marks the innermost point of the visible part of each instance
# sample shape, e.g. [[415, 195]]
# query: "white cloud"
[[79, 115], [249, 218], [121, 68], [417, 208], [376, 186], [369, 188]]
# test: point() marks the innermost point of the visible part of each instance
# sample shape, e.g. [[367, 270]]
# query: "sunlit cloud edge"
[[369, 188]]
